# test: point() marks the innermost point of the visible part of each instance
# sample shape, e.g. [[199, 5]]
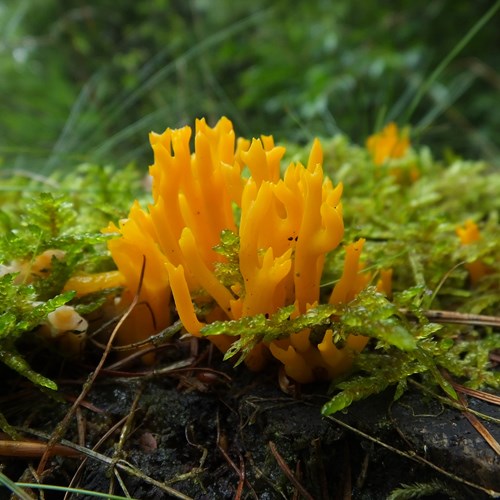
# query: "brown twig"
[[323, 482], [346, 482], [457, 318], [95, 448], [32, 448], [480, 428], [63, 425], [473, 420], [241, 482], [484, 396], [175, 367], [155, 339], [221, 448], [288, 473], [84, 404], [240, 472]]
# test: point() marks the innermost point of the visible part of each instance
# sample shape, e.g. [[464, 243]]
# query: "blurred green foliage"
[[86, 81]]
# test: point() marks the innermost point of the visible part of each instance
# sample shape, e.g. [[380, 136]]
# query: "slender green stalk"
[[13, 487], [446, 61], [77, 491]]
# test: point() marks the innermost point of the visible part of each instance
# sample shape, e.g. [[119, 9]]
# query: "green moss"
[[67, 219], [21, 314], [228, 272]]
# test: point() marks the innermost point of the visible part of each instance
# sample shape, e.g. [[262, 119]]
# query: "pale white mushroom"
[[66, 319]]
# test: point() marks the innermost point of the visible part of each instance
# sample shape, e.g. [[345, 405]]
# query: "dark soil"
[[235, 434]]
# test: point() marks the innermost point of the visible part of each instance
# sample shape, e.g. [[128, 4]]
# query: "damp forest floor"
[[195, 426], [208, 431]]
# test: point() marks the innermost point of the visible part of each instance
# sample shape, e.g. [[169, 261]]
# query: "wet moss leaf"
[[386, 370], [23, 311], [228, 272], [371, 314], [22, 314], [258, 328], [16, 362]]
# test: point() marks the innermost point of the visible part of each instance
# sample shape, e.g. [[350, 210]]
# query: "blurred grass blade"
[[444, 63]]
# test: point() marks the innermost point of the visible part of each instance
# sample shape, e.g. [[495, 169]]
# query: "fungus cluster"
[[283, 226]]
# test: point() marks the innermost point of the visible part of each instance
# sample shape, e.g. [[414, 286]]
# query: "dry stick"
[[32, 449], [38, 480], [84, 451], [172, 368], [316, 446], [484, 396], [241, 482], [415, 458], [298, 475], [239, 473], [457, 318], [220, 447], [122, 464], [288, 473], [123, 436], [155, 339], [474, 421], [204, 451], [480, 428], [130, 469], [120, 482], [84, 404], [63, 425], [95, 448], [81, 426]]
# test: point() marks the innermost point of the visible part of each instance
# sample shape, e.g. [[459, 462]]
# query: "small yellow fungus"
[[389, 148], [469, 234], [387, 144]]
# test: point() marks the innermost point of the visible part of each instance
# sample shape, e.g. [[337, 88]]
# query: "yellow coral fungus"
[[389, 148], [469, 234], [387, 144], [287, 225]]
